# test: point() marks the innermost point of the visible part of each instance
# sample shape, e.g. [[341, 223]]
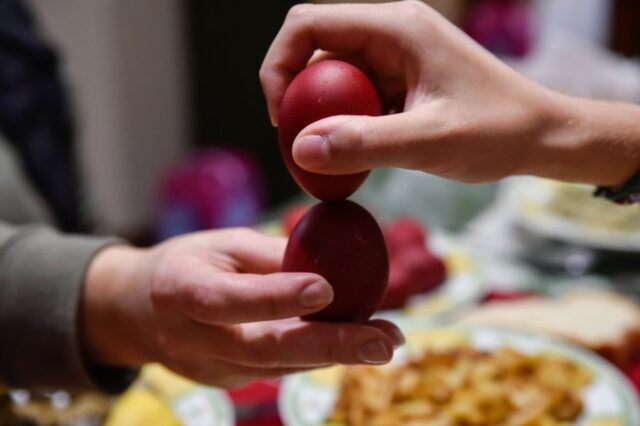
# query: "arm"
[[589, 141], [461, 113], [41, 281], [77, 312]]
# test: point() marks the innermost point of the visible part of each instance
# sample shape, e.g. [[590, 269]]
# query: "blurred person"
[[35, 115], [460, 112]]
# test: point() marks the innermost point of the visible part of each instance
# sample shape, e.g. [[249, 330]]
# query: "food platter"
[[307, 399], [569, 213]]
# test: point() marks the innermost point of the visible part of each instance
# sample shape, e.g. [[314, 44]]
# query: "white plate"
[[526, 198], [307, 399]]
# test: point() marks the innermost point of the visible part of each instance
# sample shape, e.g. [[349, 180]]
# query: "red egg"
[[342, 242], [321, 90]]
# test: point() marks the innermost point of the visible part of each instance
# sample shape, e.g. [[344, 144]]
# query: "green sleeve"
[[41, 280]]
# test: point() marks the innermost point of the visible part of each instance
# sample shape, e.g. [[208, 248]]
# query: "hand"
[[212, 306], [456, 110]]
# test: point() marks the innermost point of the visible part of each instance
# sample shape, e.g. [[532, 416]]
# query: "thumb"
[[350, 144]]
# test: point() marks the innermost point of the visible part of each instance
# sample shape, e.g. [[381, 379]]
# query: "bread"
[[602, 321]]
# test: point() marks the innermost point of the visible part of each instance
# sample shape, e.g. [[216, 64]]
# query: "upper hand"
[[456, 110]]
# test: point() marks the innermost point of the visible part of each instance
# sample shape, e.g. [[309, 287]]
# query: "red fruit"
[[400, 287], [425, 270], [434, 274], [415, 260], [403, 233], [322, 90], [342, 242], [292, 216]]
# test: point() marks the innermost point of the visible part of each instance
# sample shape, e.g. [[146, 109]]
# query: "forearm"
[[588, 141]]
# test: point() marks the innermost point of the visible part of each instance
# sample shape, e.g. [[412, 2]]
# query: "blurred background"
[[168, 128], [145, 119]]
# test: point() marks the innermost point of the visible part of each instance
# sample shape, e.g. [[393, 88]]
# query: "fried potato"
[[464, 387]]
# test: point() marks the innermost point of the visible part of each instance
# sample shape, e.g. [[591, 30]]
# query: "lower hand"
[[212, 306]]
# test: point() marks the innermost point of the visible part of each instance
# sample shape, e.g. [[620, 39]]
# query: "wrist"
[[113, 304], [586, 141]]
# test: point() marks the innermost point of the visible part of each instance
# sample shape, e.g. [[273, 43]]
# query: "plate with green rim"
[[307, 399]]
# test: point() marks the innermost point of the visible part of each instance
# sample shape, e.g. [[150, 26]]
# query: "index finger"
[[229, 298], [342, 28]]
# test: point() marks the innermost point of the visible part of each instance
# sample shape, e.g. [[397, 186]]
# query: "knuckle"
[[168, 343], [339, 344], [299, 12], [362, 136], [271, 306], [264, 74], [243, 234], [201, 303], [266, 352], [162, 282], [332, 349], [187, 297], [157, 298], [351, 139], [367, 131], [417, 14], [412, 7], [240, 239], [158, 293], [247, 232]]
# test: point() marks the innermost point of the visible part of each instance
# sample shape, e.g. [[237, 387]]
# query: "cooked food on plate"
[[464, 387], [576, 203]]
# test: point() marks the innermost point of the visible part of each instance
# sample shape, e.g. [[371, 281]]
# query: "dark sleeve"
[[35, 115], [41, 280]]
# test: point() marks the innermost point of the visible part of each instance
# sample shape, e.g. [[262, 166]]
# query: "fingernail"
[[312, 151], [316, 295], [398, 338], [374, 352]]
